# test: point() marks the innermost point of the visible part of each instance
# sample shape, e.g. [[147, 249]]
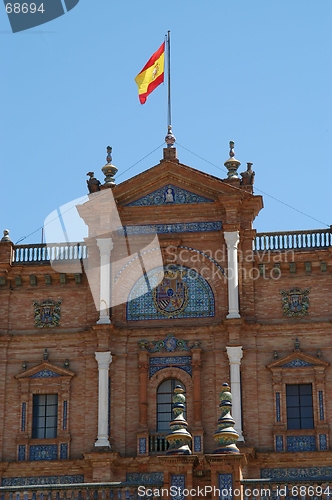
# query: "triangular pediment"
[[189, 186], [45, 370], [297, 360]]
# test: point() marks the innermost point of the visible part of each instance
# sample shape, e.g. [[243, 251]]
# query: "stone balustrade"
[[288, 240], [43, 253]]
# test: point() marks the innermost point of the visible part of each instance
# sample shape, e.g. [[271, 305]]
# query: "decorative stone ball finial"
[[226, 436], [179, 438], [232, 164], [6, 236], [170, 138]]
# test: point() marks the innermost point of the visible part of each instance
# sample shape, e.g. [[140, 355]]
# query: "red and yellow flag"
[[151, 75]]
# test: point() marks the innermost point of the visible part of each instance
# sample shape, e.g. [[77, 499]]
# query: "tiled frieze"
[[169, 195]]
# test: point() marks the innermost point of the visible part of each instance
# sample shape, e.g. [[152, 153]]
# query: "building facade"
[[171, 286]]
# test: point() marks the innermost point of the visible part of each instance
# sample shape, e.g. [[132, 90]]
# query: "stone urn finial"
[[232, 164], [170, 137], [109, 170], [179, 438], [226, 436], [6, 236]]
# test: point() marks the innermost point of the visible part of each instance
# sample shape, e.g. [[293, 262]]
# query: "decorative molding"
[[278, 413], [169, 195], [64, 415], [43, 452], [169, 344], [301, 443], [145, 477], [142, 446], [182, 362], [45, 370], [45, 374], [279, 443], [178, 481], [295, 302], [47, 313], [64, 451], [23, 416], [296, 363], [197, 444], [225, 485], [180, 227], [321, 405], [297, 473], [322, 442], [40, 480], [21, 455]]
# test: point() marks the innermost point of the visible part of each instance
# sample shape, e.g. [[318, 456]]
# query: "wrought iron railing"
[[294, 240], [44, 253], [78, 491]]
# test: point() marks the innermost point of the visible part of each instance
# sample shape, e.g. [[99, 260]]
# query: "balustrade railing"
[[79, 491], [158, 442], [42, 252], [293, 240]]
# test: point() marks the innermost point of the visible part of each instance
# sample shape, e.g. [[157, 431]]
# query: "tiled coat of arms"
[[295, 302], [47, 313], [171, 295]]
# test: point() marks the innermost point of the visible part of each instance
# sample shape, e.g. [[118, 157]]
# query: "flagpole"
[[169, 117], [169, 139]]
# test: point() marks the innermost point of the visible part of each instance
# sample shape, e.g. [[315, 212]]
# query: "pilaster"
[[105, 247], [235, 354], [232, 239], [103, 359]]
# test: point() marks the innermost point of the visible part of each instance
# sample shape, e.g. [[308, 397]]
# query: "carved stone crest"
[[47, 313], [295, 302]]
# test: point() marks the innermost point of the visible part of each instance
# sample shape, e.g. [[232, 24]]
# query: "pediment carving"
[[297, 360], [169, 194], [45, 370]]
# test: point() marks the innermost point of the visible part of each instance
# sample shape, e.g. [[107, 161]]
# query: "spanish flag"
[[151, 75]]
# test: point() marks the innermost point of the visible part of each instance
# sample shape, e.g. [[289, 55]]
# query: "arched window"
[[164, 403]]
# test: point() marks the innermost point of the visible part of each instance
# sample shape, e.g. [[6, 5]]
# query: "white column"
[[105, 247], [104, 359], [234, 355], [232, 239]]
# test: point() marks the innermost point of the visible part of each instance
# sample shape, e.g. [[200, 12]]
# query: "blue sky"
[[258, 73]]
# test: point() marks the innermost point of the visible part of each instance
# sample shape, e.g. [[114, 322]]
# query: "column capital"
[[105, 245], [235, 354], [232, 238], [104, 359]]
